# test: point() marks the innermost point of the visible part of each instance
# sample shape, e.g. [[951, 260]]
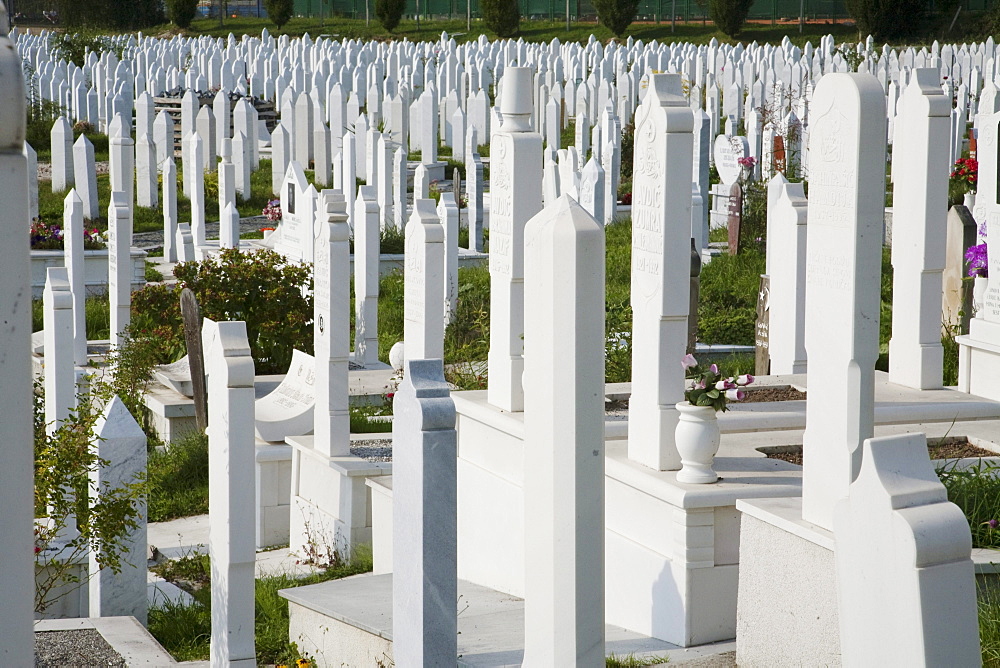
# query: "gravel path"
[[375, 450], [84, 648], [149, 241]]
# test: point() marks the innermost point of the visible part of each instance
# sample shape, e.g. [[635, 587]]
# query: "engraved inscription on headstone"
[[761, 340]]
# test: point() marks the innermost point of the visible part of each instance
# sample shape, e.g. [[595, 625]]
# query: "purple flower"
[[978, 260], [688, 361], [714, 369], [735, 395], [993, 524], [745, 379]]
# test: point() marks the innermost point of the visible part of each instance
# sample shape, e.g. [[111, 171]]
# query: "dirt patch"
[[781, 393], [947, 448]]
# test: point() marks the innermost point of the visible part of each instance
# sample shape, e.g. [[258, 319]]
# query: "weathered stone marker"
[[762, 327], [191, 315]]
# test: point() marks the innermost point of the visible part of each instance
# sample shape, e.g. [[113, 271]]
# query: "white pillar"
[[73, 259], [119, 265], [230, 376], [332, 427], [448, 213], [170, 211], [425, 533], [366, 277], [843, 271], [423, 291], [920, 203], [564, 431], [661, 269], [60, 379], [516, 196], [17, 577]]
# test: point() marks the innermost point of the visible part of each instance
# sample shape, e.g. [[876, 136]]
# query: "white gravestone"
[[448, 214], [729, 150], [515, 196], [73, 258], [229, 371], [920, 187], [843, 269], [170, 211], [122, 444], [17, 576], [425, 523], [366, 277], [185, 243], [564, 432], [294, 233], [906, 585], [85, 176], [787, 292], [31, 169], [60, 385], [288, 409], [145, 172], [119, 265], [281, 155], [661, 263], [423, 292], [229, 227], [331, 313], [592, 190], [62, 155]]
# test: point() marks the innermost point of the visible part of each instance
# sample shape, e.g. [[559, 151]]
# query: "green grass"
[[178, 479], [976, 490], [50, 205], [531, 30], [360, 424], [989, 625], [185, 630], [96, 315]]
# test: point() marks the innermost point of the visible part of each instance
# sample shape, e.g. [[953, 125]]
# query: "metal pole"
[[468, 16], [802, 15], [567, 15], [673, 15], [418, 14]]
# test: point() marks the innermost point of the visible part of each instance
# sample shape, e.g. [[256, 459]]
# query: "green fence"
[[649, 10]]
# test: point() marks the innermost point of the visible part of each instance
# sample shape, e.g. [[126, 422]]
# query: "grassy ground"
[[184, 630], [531, 30]]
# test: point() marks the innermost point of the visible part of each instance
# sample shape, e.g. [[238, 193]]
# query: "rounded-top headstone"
[[516, 103], [729, 150]]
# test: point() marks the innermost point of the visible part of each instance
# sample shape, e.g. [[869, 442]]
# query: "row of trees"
[[885, 20]]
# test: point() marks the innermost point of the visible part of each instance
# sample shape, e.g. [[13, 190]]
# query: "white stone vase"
[[978, 293], [697, 437]]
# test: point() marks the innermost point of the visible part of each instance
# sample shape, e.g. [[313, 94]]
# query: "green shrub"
[[887, 20], [976, 490], [182, 12], [389, 12], [502, 17], [616, 15], [279, 11], [729, 15], [260, 288]]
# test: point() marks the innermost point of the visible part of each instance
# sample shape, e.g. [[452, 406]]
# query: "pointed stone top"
[[72, 199], [83, 141], [115, 422]]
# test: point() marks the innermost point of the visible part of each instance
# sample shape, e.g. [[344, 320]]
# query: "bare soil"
[[764, 394], [948, 448]]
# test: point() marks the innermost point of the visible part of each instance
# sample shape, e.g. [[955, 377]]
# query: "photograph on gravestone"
[[191, 315], [762, 362], [734, 217], [290, 205]]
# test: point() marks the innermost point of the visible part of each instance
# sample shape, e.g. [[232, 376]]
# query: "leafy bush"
[[888, 20], [616, 15], [261, 288], [502, 17], [279, 11], [729, 15], [182, 12], [389, 12]]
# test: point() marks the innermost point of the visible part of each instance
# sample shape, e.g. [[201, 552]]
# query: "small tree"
[[279, 11], [887, 20], [729, 15], [503, 17], [616, 15], [388, 13], [182, 12]]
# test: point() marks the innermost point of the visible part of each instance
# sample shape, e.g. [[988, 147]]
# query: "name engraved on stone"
[[827, 271], [832, 192], [501, 211], [647, 211]]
